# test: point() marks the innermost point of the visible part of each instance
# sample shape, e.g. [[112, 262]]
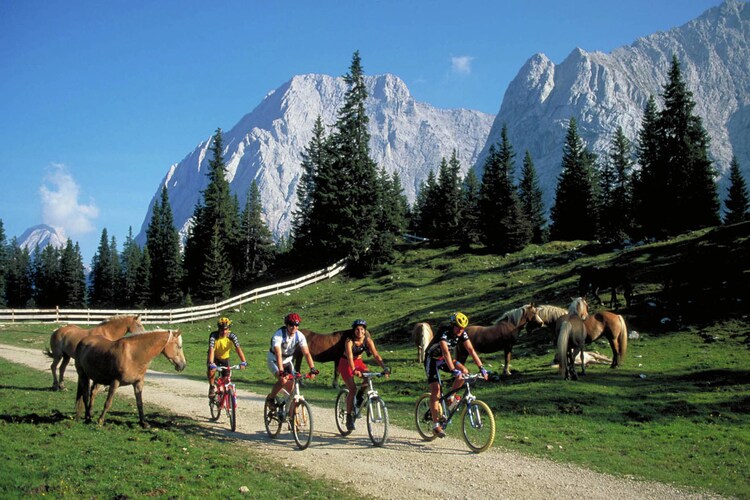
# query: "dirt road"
[[406, 467]]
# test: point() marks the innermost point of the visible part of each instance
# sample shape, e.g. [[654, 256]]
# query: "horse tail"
[[562, 347], [623, 340]]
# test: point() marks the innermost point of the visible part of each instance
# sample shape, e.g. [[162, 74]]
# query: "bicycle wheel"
[[231, 400], [272, 422], [423, 417], [377, 421], [478, 426], [340, 410], [214, 404], [302, 424]]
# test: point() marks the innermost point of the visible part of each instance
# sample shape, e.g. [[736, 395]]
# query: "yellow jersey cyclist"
[[220, 345]]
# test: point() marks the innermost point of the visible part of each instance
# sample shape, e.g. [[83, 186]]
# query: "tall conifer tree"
[[72, 277], [103, 288], [530, 197], [470, 227], [737, 206], [616, 189], [256, 241], [19, 283]]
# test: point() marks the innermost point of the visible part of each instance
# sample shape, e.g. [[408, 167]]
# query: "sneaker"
[[438, 431], [349, 422]]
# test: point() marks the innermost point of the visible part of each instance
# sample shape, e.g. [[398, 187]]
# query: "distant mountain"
[[604, 91], [41, 236], [266, 145]]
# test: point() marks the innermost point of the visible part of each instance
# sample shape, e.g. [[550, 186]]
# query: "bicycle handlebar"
[[374, 374]]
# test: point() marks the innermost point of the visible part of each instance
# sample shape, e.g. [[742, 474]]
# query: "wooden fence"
[[166, 316]]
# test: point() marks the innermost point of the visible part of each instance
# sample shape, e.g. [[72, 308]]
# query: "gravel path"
[[406, 467]]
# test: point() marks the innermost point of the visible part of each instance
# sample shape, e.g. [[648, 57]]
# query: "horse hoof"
[[144, 425]]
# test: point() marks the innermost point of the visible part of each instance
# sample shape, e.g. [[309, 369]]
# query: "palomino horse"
[[64, 340], [594, 279], [421, 337], [324, 348], [100, 361], [549, 314], [503, 335], [612, 327], [571, 338]]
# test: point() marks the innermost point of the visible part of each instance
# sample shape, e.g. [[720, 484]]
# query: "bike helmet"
[[359, 322], [459, 319], [292, 319], [224, 322]]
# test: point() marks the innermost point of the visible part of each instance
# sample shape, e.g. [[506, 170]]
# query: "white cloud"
[[461, 65], [60, 207]]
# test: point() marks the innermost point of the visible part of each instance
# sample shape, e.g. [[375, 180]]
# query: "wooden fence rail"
[[167, 316]]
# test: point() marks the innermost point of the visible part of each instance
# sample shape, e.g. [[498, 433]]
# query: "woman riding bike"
[[220, 344]]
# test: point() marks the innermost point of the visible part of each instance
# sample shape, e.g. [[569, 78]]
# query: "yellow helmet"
[[224, 322], [459, 319]]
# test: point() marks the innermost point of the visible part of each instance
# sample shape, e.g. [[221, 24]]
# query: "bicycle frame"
[[371, 392], [466, 398]]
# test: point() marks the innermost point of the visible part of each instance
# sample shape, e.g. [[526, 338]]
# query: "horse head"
[[173, 350], [135, 325], [532, 315], [579, 307]]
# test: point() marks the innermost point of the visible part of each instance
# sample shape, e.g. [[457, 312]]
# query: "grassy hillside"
[[677, 411]]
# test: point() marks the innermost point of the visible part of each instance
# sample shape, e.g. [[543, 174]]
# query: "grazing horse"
[[100, 361], [612, 326], [64, 340], [549, 314], [571, 338], [595, 278], [421, 337], [503, 335], [324, 348]]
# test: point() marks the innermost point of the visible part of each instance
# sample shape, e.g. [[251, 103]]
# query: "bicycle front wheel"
[[340, 410], [302, 424], [423, 417], [231, 399], [377, 421], [214, 405], [270, 419], [478, 425]]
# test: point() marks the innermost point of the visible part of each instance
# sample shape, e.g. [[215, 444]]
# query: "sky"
[[98, 99]]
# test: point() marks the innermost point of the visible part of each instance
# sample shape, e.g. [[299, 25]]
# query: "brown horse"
[[100, 361], [612, 327], [421, 337], [549, 314], [571, 338], [64, 340], [503, 335], [324, 348], [594, 279]]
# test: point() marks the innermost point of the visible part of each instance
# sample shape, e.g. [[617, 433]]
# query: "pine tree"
[[218, 210], [390, 220], [256, 241], [45, 266], [737, 205], [130, 261], [426, 208], [470, 227], [19, 283], [449, 200], [72, 285], [650, 181], [215, 279], [616, 188], [530, 197], [142, 294], [102, 291], [575, 208]]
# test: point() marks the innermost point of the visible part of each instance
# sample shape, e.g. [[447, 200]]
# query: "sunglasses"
[[293, 323]]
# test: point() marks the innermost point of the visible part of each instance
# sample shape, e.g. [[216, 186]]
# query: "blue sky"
[[100, 98]]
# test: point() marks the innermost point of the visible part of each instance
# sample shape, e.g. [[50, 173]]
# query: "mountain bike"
[[377, 413], [294, 411], [225, 397], [477, 420]]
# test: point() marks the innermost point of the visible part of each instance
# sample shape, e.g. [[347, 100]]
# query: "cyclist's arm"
[[349, 354], [470, 349], [241, 354], [210, 359], [308, 357], [447, 355], [279, 359], [374, 352]]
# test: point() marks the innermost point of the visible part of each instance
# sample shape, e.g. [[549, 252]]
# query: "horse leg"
[[63, 366], [82, 395], [613, 303], [53, 368], [572, 353], [506, 368], [110, 397], [138, 390], [583, 362], [335, 381], [613, 343]]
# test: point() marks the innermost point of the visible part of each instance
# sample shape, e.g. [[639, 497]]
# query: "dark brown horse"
[[503, 335], [594, 279], [64, 340], [571, 338], [100, 361], [324, 348], [612, 327]]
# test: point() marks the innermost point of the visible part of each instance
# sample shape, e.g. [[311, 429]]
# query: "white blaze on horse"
[[100, 361], [421, 336], [64, 340]]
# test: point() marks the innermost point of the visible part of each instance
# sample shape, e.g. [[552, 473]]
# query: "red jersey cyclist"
[[284, 341]]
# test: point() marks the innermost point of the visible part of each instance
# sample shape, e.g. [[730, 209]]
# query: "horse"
[[571, 338], [612, 326], [502, 335], [324, 348], [421, 337], [100, 361], [549, 314], [595, 278], [64, 340]]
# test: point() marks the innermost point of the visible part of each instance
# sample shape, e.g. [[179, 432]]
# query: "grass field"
[[678, 411]]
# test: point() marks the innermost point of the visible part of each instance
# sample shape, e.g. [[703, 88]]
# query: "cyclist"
[[220, 344], [351, 364], [438, 357], [279, 360]]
